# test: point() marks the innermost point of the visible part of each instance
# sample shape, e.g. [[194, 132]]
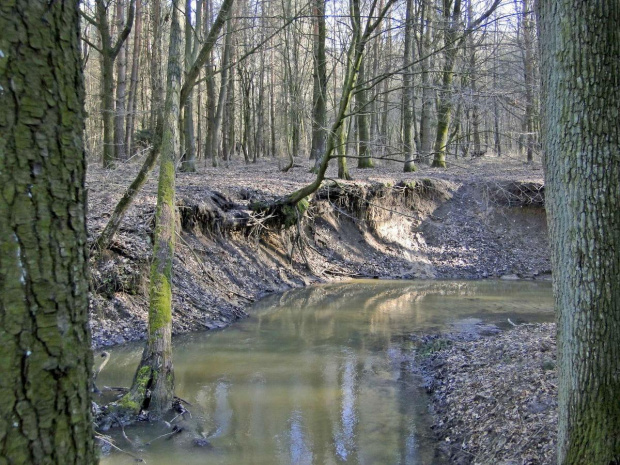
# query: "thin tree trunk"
[[444, 107], [153, 385], [528, 76], [221, 101], [426, 115], [120, 152], [319, 85], [408, 147], [361, 100], [109, 53], [133, 83], [188, 164]]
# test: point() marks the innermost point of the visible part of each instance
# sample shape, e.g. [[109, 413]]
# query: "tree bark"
[[153, 385], [407, 100], [428, 94], [45, 360], [444, 105], [120, 152], [361, 95], [188, 165], [580, 64], [109, 51], [222, 95], [133, 83], [319, 84]]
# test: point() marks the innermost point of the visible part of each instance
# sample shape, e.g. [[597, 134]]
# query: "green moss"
[[292, 212], [433, 346], [366, 162], [160, 308], [132, 400], [166, 183]]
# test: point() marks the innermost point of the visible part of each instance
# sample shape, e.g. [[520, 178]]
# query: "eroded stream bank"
[[422, 227]]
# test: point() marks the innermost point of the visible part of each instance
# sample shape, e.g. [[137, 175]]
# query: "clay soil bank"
[[482, 220]]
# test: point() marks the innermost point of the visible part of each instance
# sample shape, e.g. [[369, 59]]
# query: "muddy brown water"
[[320, 375]]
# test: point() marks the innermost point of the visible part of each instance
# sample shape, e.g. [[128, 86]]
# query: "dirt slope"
[[483, 220]]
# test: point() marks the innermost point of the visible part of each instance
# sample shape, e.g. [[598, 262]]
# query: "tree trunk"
[[133, 83], [319, 85], [444, 106], [153, 384], [222, 97], [580, 64], [188, 165], [157, 90], [528, 77], [109, 52], [120, 152], [45, 361], [407, 101], [428, 94]]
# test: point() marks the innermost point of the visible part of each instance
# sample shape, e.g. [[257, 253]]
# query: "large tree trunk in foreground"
[[45, 360], [153, 385], [580, 51]]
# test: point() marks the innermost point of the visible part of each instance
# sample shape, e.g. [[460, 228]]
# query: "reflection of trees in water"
[[344, 431]]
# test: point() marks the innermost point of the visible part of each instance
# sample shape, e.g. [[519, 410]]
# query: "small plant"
[[430, 347]]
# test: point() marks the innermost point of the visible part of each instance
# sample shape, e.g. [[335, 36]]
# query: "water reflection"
[[320, 375]]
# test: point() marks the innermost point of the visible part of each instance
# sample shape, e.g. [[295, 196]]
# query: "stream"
[[320, 375]]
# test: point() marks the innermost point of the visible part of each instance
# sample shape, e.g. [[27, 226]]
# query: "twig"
[[108, 440], [175, 430]]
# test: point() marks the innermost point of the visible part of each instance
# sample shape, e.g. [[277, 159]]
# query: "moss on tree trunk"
[[45, 359], [580, 51], [153, 385]]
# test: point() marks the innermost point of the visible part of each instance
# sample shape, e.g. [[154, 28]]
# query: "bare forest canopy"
[[437, 80]]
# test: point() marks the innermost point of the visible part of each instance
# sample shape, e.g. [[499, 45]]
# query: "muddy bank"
[[493, 394], [385, 224]]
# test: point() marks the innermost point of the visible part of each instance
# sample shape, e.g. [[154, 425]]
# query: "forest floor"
[[493, 393], [480, 218]]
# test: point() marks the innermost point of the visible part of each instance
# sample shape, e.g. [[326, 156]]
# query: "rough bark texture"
[[45, 361], [153, 385], [580, 50]]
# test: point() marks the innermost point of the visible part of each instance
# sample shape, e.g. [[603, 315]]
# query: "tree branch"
[[203, 55], [128, 25], [90, 44], [90, 19]]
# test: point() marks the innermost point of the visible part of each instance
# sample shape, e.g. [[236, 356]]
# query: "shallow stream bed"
[[321, 375]]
